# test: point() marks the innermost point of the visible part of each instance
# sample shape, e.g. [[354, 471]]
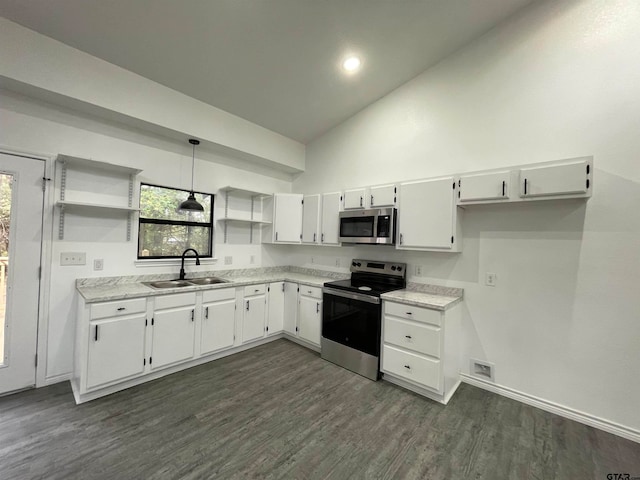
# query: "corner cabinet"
[[95, 189], [428, 216], [284, 212], [420, 349]]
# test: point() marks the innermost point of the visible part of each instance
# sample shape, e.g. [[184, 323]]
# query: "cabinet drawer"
[[218, 294], [315, 292], [251, 290], [411, 312], [413, 367], [178, 300], [422, 338], [115, 309]]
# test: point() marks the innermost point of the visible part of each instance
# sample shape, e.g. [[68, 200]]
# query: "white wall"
[[558, 80], [35, 127]]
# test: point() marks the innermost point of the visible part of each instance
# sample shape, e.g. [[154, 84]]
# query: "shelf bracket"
[[61, 224]]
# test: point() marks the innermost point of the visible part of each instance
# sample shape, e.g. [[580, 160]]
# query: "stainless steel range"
[[352, 315]]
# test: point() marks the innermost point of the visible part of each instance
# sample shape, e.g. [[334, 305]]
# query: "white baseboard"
[[56, 379], [570, 413]]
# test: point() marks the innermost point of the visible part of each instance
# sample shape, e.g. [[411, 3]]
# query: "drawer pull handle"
[[317, 307], [408, 336], [95, 338], [408, 367], [193, 312], [409, 313], [121, 309], [206, 312], [247, 305], [309, 292]]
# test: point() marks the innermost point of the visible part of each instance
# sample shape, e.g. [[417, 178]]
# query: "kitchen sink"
[[169, 284], [185, 283], [205, 280]]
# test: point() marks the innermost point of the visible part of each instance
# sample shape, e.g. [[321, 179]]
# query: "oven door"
[[352, 320]]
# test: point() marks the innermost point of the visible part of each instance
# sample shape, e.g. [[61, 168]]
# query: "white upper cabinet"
[[311, 219], [383, 196], [330, 225], [573, 177], [284, 210], [355, 198], [427, 216], [481, 187]]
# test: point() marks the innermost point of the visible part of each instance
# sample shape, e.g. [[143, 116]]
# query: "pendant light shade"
[[191, 204]]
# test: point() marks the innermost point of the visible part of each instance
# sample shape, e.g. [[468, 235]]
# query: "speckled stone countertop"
[[429, 296], [118, 288]]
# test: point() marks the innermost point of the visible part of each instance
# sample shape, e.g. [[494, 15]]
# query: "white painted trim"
[[45, 261], [300, 341], [563, 411], [56, 379], [172, 262]]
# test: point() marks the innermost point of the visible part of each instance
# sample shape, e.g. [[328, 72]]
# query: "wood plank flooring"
[[279, 411]]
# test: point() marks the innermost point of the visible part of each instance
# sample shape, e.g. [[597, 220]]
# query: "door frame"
[[45, 262]]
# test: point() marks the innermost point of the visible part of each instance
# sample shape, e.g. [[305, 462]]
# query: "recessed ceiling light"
[[351, 64]]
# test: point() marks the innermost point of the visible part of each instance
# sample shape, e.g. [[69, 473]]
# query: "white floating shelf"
[[67, 205], [244, 191], [244, 220]]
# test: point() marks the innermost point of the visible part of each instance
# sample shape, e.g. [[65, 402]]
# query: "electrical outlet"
[[252, 259], [418, 270], [98, 264], [337, 262], [313, 260], [490, 279], [73, 258], [228, 260]]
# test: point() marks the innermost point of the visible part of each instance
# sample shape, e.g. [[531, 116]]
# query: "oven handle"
[[353, 296]]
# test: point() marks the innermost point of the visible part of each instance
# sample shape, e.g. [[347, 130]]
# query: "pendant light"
[[191, 204]]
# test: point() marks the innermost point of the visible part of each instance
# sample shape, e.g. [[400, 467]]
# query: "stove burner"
[[364, 289]]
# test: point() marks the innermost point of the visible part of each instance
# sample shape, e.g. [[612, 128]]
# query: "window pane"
[[162, 204], [171, 240]]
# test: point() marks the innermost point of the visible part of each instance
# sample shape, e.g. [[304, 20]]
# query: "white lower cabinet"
[[275, 311], [173, 330], [310, 314], [420, 349], [253, 320], [290, 317], [115, 350], [218, 320]]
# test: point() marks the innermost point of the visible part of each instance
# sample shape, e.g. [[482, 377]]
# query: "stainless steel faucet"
[[183, 256]]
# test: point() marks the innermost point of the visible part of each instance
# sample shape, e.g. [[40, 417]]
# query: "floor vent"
[[481, 369]]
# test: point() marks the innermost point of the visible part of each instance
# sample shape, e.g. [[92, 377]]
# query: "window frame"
[[185, 223]]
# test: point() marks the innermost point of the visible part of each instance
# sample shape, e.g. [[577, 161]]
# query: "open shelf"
[[67, 205]]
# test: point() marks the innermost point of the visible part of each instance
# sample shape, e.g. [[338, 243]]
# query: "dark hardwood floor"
[[279, 411]]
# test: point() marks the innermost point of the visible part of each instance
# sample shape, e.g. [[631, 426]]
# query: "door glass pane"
[[5, 222]]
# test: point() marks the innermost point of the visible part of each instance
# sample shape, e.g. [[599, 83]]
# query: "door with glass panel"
[[21, 207]]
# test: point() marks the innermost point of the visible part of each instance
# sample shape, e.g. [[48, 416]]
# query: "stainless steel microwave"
[[375, 226]]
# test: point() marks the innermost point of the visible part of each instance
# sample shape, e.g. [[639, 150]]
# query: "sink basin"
[[169, 284], [206, 281]]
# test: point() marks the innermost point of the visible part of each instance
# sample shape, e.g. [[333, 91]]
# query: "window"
[[166, 233]]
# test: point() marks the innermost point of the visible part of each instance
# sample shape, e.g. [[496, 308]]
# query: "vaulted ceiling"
[[276, 63]]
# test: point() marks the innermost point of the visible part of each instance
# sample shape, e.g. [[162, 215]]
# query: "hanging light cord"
[[193, 163]]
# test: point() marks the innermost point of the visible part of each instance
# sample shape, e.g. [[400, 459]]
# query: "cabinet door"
[[427, 214], [310, 321], [354, 198], [290, 307], [311, 219], [571, 178], [218, 325], [484, 186], [253, 318], [116, 349], [275, 316], [173, 336], [287, 218], [383, 196], [330, 219]]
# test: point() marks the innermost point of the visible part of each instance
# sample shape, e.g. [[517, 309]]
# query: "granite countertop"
[[428, 296], [118, 288], [106, 289]]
